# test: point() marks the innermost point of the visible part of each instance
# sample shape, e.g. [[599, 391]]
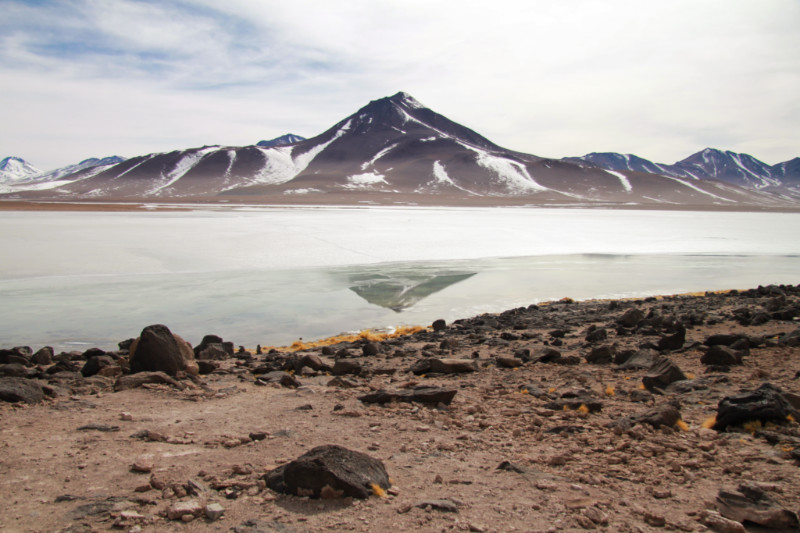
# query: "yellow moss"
[[377, 490], [565, 408], [708, 423], [642, 387], [367, 334], [683, 426], [689, 375], [583, 409], [752, 426], [524, 391], [786, 448], [610, 390], [627, 378], [551, 390], [789, 418], [566, 300]]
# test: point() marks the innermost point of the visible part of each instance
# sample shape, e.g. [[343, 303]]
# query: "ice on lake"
[[271, 276]]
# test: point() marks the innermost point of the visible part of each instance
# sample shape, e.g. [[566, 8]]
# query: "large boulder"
[[433, 365], [630, 318], [159, 350], [765, 404], [661, 374], [20, 390], [330, 471]]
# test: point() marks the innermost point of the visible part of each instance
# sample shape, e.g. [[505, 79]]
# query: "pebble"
[[143, 463], [214, 511]]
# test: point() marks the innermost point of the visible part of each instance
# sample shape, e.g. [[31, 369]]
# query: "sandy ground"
[[571, 471]]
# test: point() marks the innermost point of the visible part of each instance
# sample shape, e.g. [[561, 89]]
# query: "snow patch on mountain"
[[698, 189], [379, 155], [14, 169], [622, 178], [183, 166], [368, 178]]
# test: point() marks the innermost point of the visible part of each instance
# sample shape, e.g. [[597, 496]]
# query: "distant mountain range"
[[710, 164], [395, 150]]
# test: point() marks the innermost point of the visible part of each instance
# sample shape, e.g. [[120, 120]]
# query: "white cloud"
[[660, 79]]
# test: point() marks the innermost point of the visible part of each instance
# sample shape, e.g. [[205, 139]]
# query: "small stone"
[[126, 416], [717, 522], [143, 463], [214, 511], [655, 520], [596, 515], [178, 510]]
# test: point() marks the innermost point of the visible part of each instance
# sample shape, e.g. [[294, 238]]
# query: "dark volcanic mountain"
[[709, 164], [283, 140], [395, 150]]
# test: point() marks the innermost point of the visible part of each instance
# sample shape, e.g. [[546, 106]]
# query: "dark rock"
[[63, 366], [532, 389], [370, 349], [15, 370], [597, 335], [765, 404], [631, 318], [664, 415], [95, 363], [126, 344], [99, 427], [157, 350], [342, 383], [20, 390], [344, 367], [602, 355], [661, 374], [439, 325], [92, 352], [545, 355], [429, 395], [444, 505], [508, 362], [18, 354], [790, 339], [569, 360], [508, 466], [751, 504], [331, 470], [674, 341], [212, 352], [718, 354], [137, 380], [43, 357], [557, 333], [443, 366]]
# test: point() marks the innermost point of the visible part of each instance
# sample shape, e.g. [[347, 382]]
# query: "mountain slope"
[[396, 150], [710, 164], [283, 140], [15, 169]]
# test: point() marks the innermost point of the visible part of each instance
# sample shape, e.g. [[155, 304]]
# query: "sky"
[[661, 79]]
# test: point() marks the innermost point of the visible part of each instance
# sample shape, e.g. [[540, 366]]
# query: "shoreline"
[[151, 205], [596, 414]]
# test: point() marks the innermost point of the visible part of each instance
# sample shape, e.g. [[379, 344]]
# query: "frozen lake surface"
[[273, 275]]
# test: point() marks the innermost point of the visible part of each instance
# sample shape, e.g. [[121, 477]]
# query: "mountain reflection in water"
[[400, 289]]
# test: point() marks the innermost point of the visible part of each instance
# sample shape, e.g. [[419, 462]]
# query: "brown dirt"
[[576, 472]]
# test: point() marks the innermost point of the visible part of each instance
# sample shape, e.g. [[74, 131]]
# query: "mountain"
[[710, 164], [283, 140], [394, 150], [28, 177], [16, 169]]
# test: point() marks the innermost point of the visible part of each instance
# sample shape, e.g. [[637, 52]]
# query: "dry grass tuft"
[[367, 334]]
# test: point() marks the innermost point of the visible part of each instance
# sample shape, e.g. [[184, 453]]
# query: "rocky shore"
[[675, 413]]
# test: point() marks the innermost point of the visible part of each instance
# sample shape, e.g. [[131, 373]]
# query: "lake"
[[270, 276]]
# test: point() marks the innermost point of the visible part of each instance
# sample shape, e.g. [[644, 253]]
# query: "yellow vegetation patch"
[[642, 387], [367, 334], [689, 375], [683, 426], [752, 426], [708, 423], [609, 390], [551, 390], [377, 490], [789, 418], [583, 409]]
